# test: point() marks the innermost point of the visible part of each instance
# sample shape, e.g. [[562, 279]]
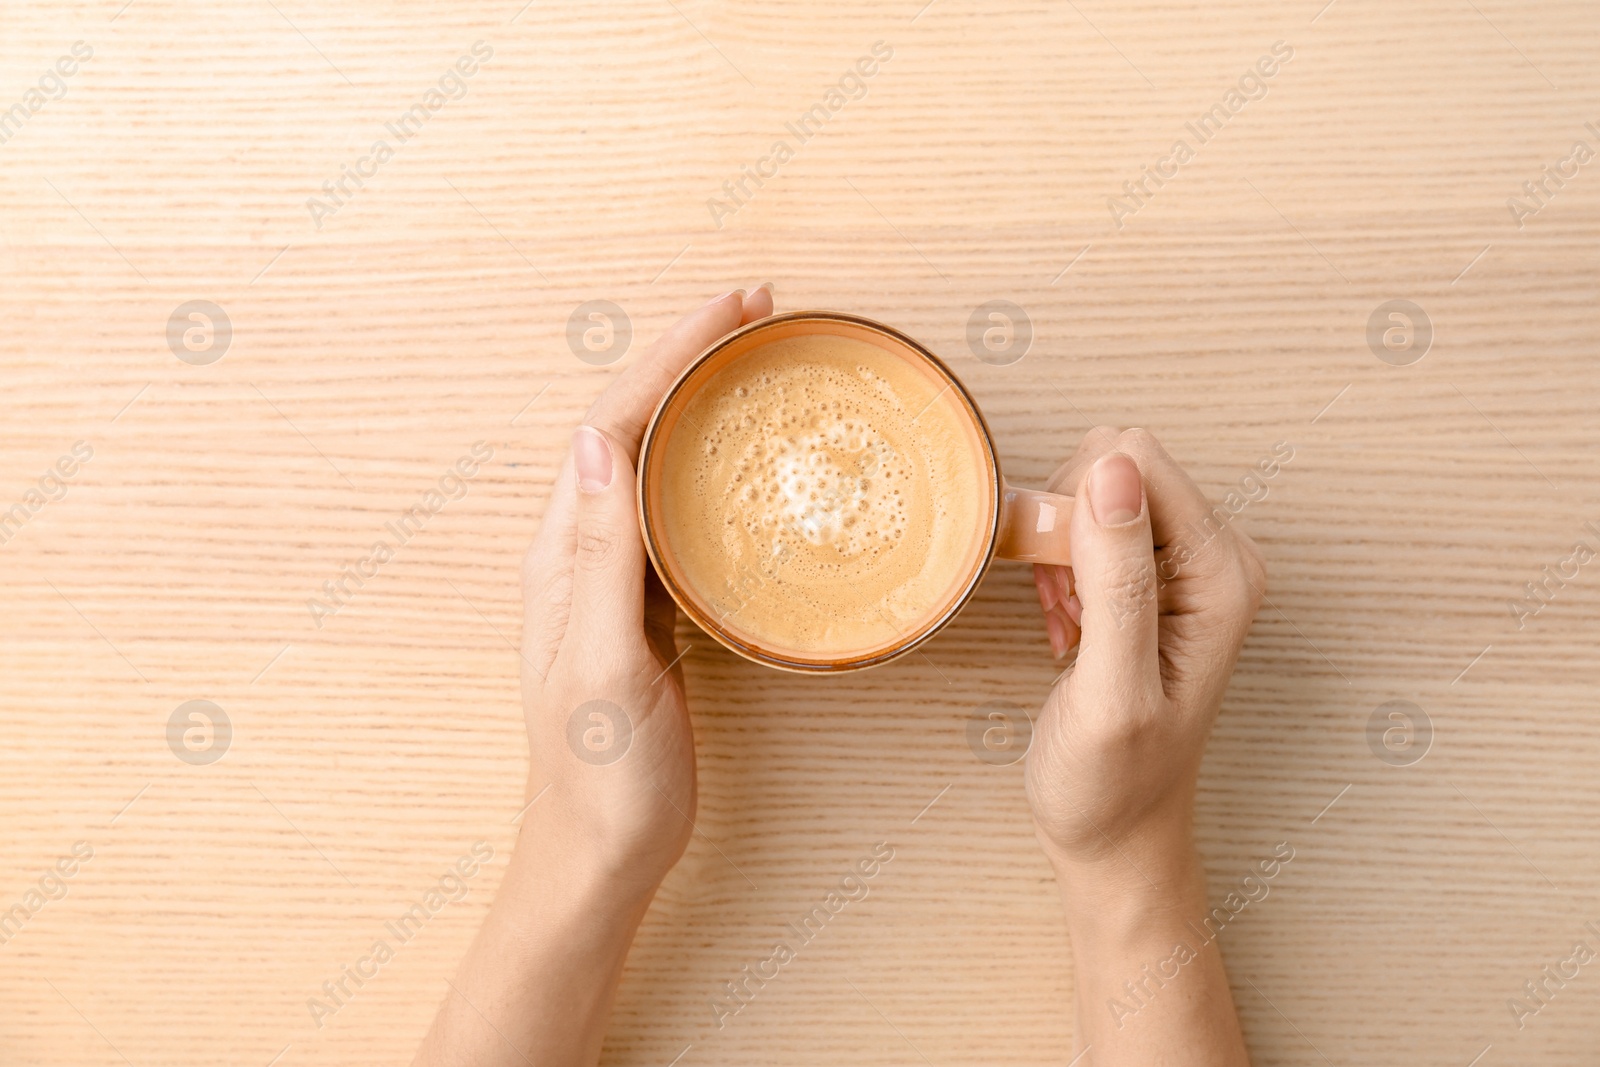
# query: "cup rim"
[[754, 652]]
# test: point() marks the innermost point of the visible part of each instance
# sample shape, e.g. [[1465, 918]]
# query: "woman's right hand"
[[1163, 594]]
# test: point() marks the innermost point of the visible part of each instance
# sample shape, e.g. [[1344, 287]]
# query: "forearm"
[[1151, 988], [538, 983]]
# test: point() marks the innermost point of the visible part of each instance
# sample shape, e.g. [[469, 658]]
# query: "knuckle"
[[1146, 449], [1095, 443], [1242, 589], [1116, 725], [541, 580], [1255, 577], [597, 546], [552, 592], [1128, 586], [1200, 550], [1255, 561], [1139, 442], [550, 595], [547, 595], [1117, 735], [1212, 550]]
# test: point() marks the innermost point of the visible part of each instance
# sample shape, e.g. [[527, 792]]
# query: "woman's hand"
[[612, 755], [1163, 594]]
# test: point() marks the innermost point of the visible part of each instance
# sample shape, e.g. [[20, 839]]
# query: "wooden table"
[[376, 338]]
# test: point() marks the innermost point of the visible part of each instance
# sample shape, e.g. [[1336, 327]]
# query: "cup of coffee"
[[820, 493]]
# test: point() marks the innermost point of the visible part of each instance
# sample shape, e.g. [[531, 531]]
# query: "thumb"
[[608, 563], [1113, 563]]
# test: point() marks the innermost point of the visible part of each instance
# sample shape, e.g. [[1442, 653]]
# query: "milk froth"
[[823, 496]]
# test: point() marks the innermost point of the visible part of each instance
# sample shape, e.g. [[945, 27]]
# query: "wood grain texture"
[[430, 312]]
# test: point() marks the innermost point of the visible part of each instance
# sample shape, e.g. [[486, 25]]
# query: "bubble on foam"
[[815, 465], [825, 484], [813, 472]]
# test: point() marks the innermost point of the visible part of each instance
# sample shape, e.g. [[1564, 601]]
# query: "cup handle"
[[1034, 526]]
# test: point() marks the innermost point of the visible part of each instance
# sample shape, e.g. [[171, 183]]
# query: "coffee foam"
[[823, 497]]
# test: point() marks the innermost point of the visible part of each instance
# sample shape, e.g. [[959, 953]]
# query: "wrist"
[[559, 859], [1162, 844], [1115, 934], [547, 962], [1149, 979], [1147, 886], [616, 848]]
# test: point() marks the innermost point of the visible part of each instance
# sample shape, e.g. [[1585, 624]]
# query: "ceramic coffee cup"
[[1017, 524]]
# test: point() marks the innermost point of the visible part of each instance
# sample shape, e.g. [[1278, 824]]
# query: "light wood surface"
[[430, 312]]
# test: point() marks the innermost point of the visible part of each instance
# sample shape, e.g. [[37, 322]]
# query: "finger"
[[1071, 610], [660, 611], [1069, 595], [547, 585], [757, 305], [547, 568], [607, 614], [1180, 514], [1063, 632], [1062, 611], [1054, 584], [554, 539], [1255, 560], [1113, 564], [626, 405], [1096, 443], [547, 572], [1059, 625], [1206, 570]]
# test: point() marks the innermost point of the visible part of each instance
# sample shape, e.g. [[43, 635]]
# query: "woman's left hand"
[[608, 727]]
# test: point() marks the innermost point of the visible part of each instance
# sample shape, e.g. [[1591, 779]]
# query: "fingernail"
[[1058, 635], [1047, 587], [591, 459], [768, 286], [1075, 610], [730, 293], [1115, 495], [1063, 576]]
